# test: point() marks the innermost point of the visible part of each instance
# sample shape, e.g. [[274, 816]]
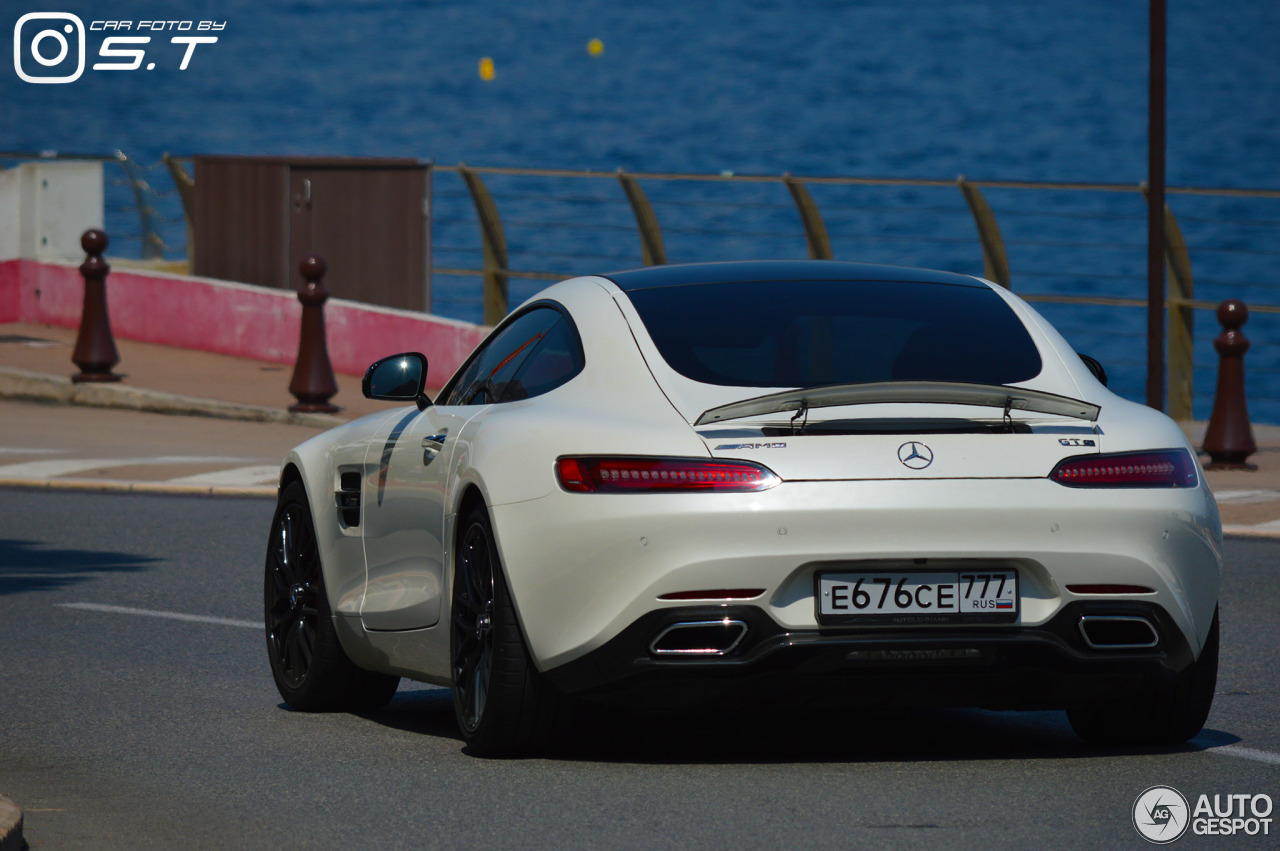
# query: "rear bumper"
[[1049, 666], [585, 567]]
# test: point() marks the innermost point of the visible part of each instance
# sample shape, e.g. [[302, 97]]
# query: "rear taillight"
[[594, 474], [1167, 468]]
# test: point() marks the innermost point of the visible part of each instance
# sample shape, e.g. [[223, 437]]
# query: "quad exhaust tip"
[[699, 638], [1118, 632]]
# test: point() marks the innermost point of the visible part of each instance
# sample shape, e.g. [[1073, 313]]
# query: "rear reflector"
[[1110, 589], [1168, 468], [715, 594], [594, 474]]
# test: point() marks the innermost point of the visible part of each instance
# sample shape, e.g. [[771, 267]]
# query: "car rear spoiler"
[[905, 392]]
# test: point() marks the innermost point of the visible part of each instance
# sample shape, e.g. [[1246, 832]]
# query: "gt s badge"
[[1075, 441], [751, 446]]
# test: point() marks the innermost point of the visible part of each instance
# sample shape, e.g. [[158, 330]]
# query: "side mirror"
[[399, 378], [1096, 368]]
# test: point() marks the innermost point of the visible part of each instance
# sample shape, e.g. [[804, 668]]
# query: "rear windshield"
[[810, 333]]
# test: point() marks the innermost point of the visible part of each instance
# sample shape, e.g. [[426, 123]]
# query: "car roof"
[[778, 270]]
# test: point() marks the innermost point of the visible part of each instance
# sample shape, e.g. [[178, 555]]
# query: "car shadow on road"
[[862, 735], [30, 566], [420, 708], [747, 736]]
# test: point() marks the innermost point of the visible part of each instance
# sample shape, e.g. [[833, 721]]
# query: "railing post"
[[186, 186], [1229, 438], [652, 251], [1181, 333], [95, 352], [995, 263], [815, 230], [313, 383], [1180, 339], [149, 218], [495, 247]]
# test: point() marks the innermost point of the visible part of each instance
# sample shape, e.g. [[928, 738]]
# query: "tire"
[[311, 670], [504, 707], [1166, 715]]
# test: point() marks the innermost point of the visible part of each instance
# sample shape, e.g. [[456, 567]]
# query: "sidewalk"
[[134, 448], [181, 421]]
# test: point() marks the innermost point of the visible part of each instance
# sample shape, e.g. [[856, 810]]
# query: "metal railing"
[[570, 222], [496, 270]]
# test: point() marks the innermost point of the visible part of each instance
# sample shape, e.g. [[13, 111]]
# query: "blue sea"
[[1045, 91]]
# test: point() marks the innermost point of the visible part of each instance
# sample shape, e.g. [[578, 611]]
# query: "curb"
[[10, 826], [1250, 532], [160, 488], [24, 385]]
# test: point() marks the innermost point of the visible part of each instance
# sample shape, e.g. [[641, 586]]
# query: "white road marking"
[[1270, 525], [1226, 750], [152, 613], [1245, 497], [66, 466], [1248, 753], [17, 450], [266, 474]]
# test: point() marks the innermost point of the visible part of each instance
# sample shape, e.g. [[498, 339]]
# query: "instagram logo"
[[42, 52]]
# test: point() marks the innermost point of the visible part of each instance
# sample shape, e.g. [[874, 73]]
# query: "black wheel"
[[504, 707], [1167, 715], [311, 671]]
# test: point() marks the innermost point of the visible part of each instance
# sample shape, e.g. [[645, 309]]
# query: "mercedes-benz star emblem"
[[915, 455]]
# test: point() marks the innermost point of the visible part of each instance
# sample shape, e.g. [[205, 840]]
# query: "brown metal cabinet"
[[257, 217]]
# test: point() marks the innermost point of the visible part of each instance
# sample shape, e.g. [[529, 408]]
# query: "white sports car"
[[827, 481]]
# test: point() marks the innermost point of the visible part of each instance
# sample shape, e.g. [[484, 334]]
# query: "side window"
[[495, 365], [557, 358]]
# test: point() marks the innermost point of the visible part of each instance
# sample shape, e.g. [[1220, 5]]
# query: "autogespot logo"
[[1160, 814], [49, 47]]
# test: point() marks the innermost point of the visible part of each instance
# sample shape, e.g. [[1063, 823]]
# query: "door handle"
[[431, 447]]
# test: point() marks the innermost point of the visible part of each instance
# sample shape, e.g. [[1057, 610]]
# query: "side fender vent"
[[347, 498]]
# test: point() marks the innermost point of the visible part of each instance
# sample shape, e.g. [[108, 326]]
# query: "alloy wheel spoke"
[[280, 616], [469, 604], [473, 658], [290, 647], [306, 645], [287, 550], [479, 692], [465, 633], [279, 580]]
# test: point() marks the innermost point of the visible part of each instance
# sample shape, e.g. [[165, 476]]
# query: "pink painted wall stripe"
[[233, 319]]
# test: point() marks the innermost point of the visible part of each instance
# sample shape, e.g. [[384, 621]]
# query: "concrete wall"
[[46, 206], [234, 319]]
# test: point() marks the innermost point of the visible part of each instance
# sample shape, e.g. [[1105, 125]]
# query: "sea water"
[[1044, 91]]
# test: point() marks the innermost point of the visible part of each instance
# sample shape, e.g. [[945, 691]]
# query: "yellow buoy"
[[486, 68], [595, 47]]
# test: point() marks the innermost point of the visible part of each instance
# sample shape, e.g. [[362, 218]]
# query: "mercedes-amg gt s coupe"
[[808, 480]]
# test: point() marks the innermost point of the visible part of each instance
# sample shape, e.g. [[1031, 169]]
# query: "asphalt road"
[[126, 730]]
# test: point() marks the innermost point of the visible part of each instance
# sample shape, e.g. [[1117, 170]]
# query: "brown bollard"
[[1229, 439], [95, 352], [313, 382]]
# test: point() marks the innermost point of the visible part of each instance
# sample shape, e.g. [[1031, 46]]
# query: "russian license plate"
[[923, 597]]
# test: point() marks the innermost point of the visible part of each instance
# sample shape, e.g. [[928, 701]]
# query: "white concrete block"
[[46, 206]]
